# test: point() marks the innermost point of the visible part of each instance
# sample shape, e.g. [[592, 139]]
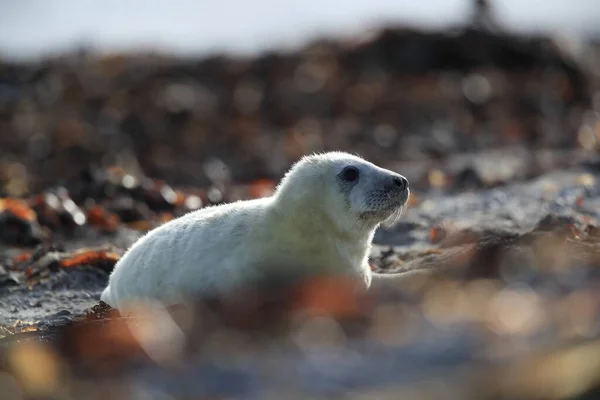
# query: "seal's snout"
[[400, 182], [396, 183]]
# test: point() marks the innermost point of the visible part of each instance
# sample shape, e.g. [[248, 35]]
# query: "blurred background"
[[118, 116], [35, 28], [245, 89]]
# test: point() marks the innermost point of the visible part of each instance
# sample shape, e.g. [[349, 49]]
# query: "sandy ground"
[[511, 209]]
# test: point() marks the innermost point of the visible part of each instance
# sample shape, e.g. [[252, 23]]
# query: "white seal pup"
[[321, 219]]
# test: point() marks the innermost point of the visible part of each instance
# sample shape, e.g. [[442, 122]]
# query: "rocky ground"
[[498, 250]]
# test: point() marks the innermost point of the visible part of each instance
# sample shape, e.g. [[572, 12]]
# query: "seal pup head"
[[344, 189]]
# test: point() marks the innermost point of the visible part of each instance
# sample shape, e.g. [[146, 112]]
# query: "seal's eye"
[[350, 174]]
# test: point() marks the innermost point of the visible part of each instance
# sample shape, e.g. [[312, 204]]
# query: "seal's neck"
[[305, 213]]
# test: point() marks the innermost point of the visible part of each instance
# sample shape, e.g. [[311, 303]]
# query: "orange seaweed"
[[142, 226], [332, 296], [97, 215], [85, 257], [436, 234], [18, 208], [22, 257], [261, 188]]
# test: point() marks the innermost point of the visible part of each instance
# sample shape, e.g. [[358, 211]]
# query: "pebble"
[[35, 303]]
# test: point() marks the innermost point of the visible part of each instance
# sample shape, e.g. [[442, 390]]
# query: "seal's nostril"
[[400, 182]]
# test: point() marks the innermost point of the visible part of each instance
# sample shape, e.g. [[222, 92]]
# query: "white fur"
[[313, 223]]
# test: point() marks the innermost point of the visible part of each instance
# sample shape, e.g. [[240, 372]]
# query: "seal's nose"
[[400, 182]]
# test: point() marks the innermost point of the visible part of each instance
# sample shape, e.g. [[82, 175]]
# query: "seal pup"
[[320, 220]]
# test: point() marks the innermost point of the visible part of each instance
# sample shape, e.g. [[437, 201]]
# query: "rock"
[[18, 231]]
